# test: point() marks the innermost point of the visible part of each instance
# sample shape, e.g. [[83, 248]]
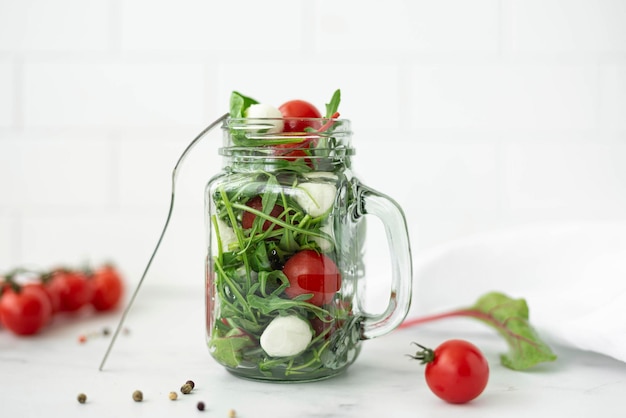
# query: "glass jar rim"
[[260, 134], [335, 125]]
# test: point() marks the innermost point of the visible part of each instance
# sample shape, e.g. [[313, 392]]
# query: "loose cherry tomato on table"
[[456, 371], [312, 273], [74, 288], [295, 112], [108, 288], [25, 309]]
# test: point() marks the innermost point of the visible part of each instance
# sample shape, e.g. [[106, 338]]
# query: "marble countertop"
[[164, 347]]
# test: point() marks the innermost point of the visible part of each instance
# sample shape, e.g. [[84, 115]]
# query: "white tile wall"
[[432, 27], [109, 92], [559, 26], [473, 115], [581, 178], [613, 97], [505, 96], [197, 25], [7, 93], [55, 26]]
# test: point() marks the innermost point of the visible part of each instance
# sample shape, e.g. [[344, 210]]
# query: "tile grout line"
[[18, 93]]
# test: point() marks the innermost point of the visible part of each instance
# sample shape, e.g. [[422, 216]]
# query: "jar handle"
[[390, 213]]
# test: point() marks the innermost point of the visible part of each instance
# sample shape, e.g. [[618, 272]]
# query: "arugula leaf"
[[239, 103], [510, 317], [273, 303], [332, 107]]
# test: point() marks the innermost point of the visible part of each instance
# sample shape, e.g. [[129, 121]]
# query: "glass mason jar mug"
[[285, 283]]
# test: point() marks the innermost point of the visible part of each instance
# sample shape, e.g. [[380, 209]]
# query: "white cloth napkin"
[[573, 277]]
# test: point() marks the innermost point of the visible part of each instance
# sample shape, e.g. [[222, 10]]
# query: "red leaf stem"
[[472, 313]]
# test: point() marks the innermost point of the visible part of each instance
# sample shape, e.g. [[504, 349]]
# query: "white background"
[[473, 115]]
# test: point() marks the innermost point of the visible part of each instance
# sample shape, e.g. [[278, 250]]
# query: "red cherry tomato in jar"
[[108, 288], [312, 273], [25, 310], [456, 371], [294, 111], [247, 219], [74, 289]]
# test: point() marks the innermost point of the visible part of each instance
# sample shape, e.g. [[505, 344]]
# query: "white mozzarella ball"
[[286, 336], [227, 236], [262, 110], [325, 245], [316, 198]]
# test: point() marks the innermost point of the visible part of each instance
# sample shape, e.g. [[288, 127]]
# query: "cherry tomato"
[[312, 273], [108, 288], [293, 155], [53, 296], [25, 310], [331, 324], [248, 218], [456, 371], [73, 287], [295, 111]]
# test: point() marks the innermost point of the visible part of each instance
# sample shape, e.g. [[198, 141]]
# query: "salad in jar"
[[284, 252]]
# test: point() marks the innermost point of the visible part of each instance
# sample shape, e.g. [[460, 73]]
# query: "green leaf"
[[332, 107], [260, 261], [239, 104], [272, 283], [510, 317], [227, 349], [273, 303]]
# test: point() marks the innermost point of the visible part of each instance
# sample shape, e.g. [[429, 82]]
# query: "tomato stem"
[[425, 355]]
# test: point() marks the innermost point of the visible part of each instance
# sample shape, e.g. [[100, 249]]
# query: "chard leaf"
[[510, 317]]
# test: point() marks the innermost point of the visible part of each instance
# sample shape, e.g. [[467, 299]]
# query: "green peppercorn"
[[191, 383], [82, 398], [186, 388], [137, 396]]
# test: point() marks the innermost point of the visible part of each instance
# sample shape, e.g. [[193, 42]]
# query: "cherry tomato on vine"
[[256, 203], [26, 309], [73, 287], [108, 288], [312, 273], [53, 296], [298, 109], [456, 371]]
